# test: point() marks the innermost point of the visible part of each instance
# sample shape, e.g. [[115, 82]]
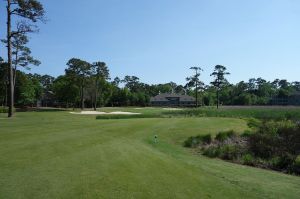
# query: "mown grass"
[[60, 155]]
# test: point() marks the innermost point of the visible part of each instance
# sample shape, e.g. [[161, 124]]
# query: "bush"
[[246, 133], [282, 163], [296, 165], [3, 109], [289, 140], [229, 152], [261, 145], [222, 136], [253, 123], [275, 139], [297, 161], [272, 127], [226, 152], [191, 142], [248, 159], [211, 152], [273, 144], [206, 139], [195, 141]]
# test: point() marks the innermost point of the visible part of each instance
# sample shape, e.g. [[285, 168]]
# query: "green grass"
[[61, 155], [134, 116], [263, 112]]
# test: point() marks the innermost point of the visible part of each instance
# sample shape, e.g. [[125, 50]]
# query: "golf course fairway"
[[61, 155]]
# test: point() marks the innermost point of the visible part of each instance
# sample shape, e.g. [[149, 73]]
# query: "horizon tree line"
[[87, 84]]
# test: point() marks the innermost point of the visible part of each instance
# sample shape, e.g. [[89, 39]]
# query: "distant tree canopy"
[[87, 84]]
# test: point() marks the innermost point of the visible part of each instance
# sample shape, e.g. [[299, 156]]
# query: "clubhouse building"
[[172, 99]]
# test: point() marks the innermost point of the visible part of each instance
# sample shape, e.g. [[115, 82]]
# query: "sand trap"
[[123, 113], [104, 113], [172, 109]]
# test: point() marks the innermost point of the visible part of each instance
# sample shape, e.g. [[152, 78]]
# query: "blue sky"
[[158, 40]]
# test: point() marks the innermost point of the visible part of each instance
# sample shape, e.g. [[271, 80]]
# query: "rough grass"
[[113, 116], [60, 155], [265, 112]]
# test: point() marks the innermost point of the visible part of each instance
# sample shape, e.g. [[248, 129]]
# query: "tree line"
[[89, 85]]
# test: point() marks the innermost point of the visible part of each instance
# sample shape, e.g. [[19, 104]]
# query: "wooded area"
[[89, 85]]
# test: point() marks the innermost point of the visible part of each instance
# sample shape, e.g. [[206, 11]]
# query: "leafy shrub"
[[211, 152], [275, 139], [222, 136], [3, 109], [296, 165], [289, 140], [247, 133], [262, 145], [297, 161], [272, 127], [195, 141], [274, 162], [282, 163], [274, 145], [289, 116], [191, 142], [226, 152], [248, 159], [206, 139], [253, 123], [229, 152]]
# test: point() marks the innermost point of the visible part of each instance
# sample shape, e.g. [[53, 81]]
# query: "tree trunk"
[[15, 69], [10, 69], [6, 92], [217, 98], [196, 93], [82, 98], [96, 96]]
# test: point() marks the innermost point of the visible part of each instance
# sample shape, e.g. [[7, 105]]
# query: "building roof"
[[163, 97]]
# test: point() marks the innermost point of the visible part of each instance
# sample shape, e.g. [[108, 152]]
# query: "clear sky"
[[158, 40]]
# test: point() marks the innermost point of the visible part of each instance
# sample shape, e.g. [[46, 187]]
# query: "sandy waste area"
[[104, 113], [172, 109]]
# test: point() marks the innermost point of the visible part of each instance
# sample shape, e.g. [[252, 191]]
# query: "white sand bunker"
[[104, 113], [172, 109]]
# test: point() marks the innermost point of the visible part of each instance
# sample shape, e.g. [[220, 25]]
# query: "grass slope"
[[60, 155]]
